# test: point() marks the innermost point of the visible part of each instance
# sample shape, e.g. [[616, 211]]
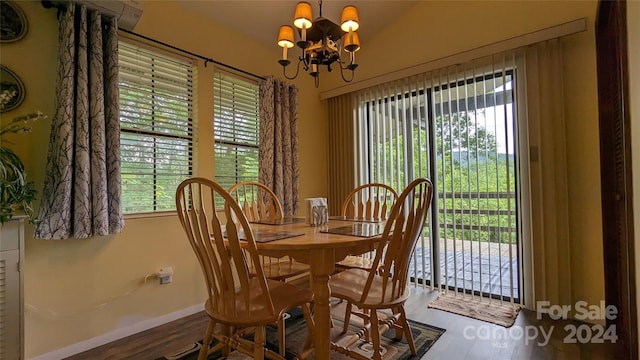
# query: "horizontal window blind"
[[156, 124], [236, 129]]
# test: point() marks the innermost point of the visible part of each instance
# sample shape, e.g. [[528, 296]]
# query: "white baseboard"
[[118, 334]]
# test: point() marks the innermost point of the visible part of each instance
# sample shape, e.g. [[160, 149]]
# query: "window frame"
[[191, 92], [252, 145]]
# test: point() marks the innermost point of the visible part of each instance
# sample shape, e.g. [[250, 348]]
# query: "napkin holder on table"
[[317, 211]]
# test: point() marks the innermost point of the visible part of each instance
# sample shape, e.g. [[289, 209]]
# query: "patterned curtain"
[[278, 157], [81, 195]]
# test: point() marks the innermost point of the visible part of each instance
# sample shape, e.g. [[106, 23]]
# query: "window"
[[156, 127], [236, 129]]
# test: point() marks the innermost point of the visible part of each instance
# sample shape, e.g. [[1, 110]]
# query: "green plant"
[[16, 191]]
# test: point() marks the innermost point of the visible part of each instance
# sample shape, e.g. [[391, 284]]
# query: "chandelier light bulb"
[[349, 21], [351, 41], [285, 36], [285, 40], [303, 15]]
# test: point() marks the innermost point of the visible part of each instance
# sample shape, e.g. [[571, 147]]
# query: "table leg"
[[321, 268]]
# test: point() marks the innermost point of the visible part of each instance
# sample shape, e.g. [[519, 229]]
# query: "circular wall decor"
[[11, 87], [13, 22]]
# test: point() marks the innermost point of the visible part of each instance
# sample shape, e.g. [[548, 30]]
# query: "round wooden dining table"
[[320, 250]]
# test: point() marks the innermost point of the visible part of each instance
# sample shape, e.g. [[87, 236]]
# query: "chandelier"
[[322, 42]]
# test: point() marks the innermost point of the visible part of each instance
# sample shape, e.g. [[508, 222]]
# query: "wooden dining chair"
[[367, 202], [385, 285], [260, 204], [239, 302]]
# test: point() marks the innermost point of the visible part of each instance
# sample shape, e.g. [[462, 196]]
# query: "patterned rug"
[[482, 309], [424, 336]]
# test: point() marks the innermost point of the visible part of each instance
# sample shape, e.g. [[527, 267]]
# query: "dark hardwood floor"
[[464, 338]]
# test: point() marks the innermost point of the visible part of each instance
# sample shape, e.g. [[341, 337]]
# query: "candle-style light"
[[285, 40], [302, 20], [349, 21], [351, 43]]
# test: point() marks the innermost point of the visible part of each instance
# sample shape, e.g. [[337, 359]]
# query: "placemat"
[[360, 229], [267, 235], [284, 221]]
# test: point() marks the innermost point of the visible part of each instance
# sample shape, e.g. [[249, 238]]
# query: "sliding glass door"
[[457, 127]]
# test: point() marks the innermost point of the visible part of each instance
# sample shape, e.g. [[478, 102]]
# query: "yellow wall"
[[73, 277], [66, 281]]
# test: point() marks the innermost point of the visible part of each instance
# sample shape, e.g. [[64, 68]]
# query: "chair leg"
[[366, 319], [399, 328], [375, 335], [407, 330], [281, 336], [347, 317], [258, 343], [227, 331], [206, 342]]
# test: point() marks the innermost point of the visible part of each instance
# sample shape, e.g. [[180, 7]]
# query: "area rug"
[[424, 337], [482, 309]]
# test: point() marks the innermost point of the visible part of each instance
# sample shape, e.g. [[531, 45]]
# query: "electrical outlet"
[[165, 275]]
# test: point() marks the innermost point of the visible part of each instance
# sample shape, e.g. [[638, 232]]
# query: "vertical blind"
[[236, 128], [156, 121], [454, 126], [341, 152]]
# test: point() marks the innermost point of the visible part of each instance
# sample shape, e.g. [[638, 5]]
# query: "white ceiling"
[[261, 19]]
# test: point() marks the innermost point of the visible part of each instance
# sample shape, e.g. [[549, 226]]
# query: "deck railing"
[[477, 248], [492, 218]]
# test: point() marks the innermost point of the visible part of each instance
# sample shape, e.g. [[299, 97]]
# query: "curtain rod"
[[206, 59], [48, 4]]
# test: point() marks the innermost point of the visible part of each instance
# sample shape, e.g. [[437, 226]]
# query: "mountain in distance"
[[462, 157]]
